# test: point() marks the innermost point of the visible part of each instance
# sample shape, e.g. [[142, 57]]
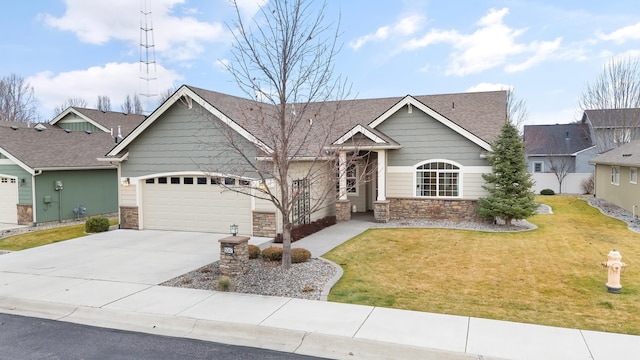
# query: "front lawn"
[[549, 276], [43, 237]]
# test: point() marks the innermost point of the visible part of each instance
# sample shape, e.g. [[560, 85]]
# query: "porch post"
[[342, 170], [381, 205], [382, 177], [343, 205]]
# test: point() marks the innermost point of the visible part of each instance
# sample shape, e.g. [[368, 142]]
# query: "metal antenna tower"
[[147, 57]]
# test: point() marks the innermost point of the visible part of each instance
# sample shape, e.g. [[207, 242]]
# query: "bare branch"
[[17, 100]]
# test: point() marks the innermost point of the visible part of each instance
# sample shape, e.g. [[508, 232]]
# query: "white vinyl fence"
[[572, 183]]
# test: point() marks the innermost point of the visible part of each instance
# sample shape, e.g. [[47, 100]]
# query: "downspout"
[[33, 196]]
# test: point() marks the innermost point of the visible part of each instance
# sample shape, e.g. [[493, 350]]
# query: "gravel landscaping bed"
[[314, 278], [615, 211], [303, 281]]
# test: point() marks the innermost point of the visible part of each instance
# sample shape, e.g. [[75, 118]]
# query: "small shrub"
[[224, 283], [96, 225], [588, 185], [299, 255], [272, 253], [254, 252], [547, 192]]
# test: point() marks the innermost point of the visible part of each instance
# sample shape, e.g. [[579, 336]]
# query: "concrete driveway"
[[100, 268]]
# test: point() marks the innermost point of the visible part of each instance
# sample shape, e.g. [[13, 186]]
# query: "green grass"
[[549, 276], [44, 237]]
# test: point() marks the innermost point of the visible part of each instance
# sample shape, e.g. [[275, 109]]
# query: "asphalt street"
[[26, 338]]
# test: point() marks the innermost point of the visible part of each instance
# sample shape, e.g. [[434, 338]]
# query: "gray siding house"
[[416, 157], [561, 150], [611, 128]]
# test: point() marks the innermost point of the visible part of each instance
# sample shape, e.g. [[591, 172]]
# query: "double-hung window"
[[615, 175]]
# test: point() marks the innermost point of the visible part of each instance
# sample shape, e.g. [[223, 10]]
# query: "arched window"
[[438, 179]]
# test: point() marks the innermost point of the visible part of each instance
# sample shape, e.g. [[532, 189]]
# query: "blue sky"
[[546, 50]]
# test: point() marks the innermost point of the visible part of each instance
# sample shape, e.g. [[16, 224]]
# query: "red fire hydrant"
[[615, 265]]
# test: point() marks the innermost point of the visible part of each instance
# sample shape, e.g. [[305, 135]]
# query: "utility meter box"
[[58, 185]]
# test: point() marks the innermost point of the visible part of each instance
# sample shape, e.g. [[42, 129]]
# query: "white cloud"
[[556, 116], [492, 45], [489, 87], [631, 32], [100, 21], [115, 80], [543, 50], [249, 8], [404, 27]]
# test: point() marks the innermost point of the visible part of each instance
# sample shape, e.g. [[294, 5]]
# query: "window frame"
[[440, 175], [633, 175], [615, 175], [541, 163]]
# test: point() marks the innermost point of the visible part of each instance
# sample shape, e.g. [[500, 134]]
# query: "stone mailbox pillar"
[[234, 255]]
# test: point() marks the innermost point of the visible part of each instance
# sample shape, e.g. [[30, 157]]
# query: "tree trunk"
[[286, 246]]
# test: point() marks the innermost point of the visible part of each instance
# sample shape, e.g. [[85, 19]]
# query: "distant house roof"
[[53, 148], [479, 115], [104, 120], [607, 118], [625, 155], [559, 139]]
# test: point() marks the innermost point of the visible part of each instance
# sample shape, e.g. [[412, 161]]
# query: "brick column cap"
[[234, 240]]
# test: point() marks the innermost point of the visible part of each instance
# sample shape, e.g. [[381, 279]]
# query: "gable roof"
[[365, 137], [53, 148], [478, 116], [625, 155], [606, 118], [104, 120], [559, 139]]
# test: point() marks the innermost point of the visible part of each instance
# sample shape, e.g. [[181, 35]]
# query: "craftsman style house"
[[413, 157]]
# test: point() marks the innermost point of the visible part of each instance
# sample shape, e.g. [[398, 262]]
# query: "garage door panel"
[[195, 207], [8, 200]]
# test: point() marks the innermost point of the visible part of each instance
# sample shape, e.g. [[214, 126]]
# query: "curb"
[[324, 294], [257, 336]]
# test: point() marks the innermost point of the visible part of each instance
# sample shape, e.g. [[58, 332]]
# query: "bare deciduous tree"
[[17, 100], [164, 95], [516, 110], [103, 103], [71, 102], [617, 89], [283, 62], [132, 105]]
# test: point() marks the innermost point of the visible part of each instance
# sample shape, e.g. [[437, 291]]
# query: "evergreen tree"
[[509, 185]]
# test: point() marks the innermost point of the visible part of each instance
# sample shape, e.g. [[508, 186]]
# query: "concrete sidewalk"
[[110, 280]]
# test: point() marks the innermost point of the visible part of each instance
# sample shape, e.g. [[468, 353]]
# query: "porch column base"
[[381, 211], [343, 210]]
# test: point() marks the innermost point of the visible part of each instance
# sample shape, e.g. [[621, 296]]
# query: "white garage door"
[[192, 203], [8, 200]]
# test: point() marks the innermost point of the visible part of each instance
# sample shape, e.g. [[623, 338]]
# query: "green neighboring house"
[[424, 157], [50, 172]]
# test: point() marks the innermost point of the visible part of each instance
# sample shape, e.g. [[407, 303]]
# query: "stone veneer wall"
[[434, 209], [236, 262], [343, 210], [381, 211], [25, 214], [264, 224], [129, 217]]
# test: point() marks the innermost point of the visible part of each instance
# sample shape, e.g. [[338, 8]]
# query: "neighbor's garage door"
[[194, 204], [8, 200]]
